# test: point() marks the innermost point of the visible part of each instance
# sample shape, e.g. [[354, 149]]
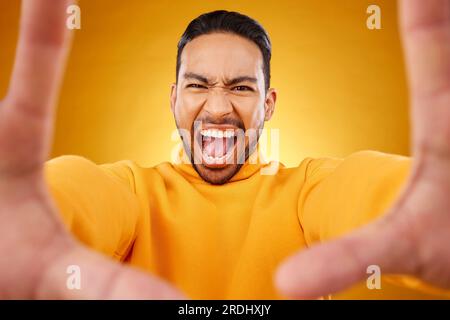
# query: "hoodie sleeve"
[[341, 195], [97, 202]]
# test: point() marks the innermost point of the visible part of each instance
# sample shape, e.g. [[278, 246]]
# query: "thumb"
[[100, 278], [333, 266]]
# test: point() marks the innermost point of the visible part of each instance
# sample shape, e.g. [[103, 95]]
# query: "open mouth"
[[218, 146]]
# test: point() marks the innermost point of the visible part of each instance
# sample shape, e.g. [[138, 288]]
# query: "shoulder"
[[357, 165], [71, 169], [80, 170]]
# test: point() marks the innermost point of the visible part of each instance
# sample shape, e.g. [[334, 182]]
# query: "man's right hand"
[[36, 248]]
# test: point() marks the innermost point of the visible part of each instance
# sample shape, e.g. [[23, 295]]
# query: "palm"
[[412, 238], [36, 248]]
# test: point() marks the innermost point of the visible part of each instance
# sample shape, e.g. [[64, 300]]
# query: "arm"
[[340, 196], [98, 206], [412, 236], [36, 247]]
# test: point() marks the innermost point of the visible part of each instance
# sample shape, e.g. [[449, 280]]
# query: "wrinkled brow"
[[228, 82], [240, 79], [195, 76]]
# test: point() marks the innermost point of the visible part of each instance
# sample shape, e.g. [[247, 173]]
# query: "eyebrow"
[[203, 79], [191, 75], [241, 79]]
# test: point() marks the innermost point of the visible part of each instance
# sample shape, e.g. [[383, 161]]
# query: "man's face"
[[220, 95]]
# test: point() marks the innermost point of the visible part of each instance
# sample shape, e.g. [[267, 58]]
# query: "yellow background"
[[341, 87]]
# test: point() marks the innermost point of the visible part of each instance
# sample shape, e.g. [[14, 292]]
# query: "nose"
[[218, 103]]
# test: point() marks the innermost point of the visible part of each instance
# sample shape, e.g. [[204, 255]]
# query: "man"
[[217, 227]]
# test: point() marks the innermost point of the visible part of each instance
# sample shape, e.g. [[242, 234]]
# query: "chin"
[[217, 176]]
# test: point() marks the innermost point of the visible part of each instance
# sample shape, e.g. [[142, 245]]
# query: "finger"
[[40, 58], [26, 112], [99, 278], [334, 266], [425, 29], [426, 35]]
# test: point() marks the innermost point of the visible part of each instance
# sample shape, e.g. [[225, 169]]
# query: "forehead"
[[220, 55]]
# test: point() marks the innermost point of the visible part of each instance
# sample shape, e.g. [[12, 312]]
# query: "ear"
[[269, 105], [173, 96]]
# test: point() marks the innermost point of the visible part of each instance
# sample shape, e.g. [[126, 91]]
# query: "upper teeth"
[[214, 133]]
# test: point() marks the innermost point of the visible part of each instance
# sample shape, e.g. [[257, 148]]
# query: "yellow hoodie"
[[225, 242]]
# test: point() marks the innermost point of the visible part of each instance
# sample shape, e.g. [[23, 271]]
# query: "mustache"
[[224, 120]]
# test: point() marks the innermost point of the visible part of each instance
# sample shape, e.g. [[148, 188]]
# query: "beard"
[[236, 149]]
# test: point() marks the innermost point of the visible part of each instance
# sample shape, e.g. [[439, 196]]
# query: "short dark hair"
[[231, 22]]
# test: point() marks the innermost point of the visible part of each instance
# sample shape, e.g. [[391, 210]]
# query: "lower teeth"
[[214, 159]]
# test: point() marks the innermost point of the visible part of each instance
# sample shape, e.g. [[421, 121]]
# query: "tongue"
[[215, 147]]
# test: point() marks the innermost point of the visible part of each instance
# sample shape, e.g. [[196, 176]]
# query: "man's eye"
[[195, 86], [242, 88]]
